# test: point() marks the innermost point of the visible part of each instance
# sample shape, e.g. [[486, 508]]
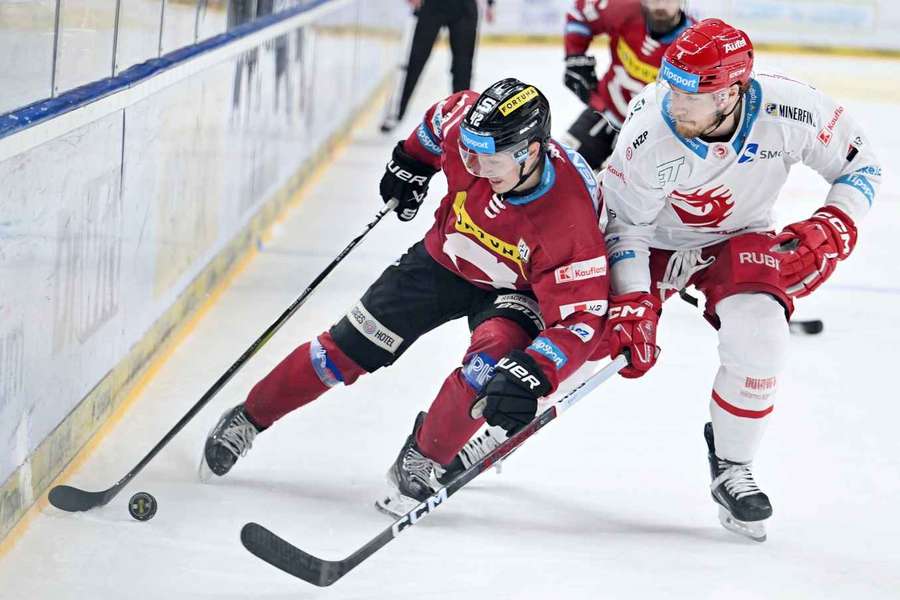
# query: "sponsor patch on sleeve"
[[426, 138], [545, 347], [584, 331], [860, 183], [621, 255]]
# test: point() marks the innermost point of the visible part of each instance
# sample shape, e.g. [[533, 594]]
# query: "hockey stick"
[[290, 559], [73, 499], [797, 326]]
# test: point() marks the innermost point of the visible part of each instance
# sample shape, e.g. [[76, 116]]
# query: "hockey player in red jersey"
[[639, 32], [514, 247]]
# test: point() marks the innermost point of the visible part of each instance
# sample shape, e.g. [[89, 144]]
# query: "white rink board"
[[106, 225]]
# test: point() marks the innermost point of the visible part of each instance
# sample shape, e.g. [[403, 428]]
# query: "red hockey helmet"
[[708, 56]]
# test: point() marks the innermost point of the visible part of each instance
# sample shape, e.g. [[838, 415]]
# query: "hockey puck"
[[808, 327], [142, 506]]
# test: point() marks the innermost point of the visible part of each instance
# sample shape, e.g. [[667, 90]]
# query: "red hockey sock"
[[304, 375], [448, 425]]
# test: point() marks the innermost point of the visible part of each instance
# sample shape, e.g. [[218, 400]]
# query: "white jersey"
[[665, 191]]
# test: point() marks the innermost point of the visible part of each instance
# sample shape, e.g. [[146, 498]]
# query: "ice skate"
[[475, 449], [230, 439], [388, 124], [412, 477], [743, 508]]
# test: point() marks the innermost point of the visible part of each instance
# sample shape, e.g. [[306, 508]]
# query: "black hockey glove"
[[511, 395], [580, 76], [405, 179]]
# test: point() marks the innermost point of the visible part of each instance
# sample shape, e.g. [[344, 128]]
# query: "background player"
[[690, 191], [639, 32], [515, 247]]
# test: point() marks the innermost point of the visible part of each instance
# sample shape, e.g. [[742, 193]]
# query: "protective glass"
[[492, 164]]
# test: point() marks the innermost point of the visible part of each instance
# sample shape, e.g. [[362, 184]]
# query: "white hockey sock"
[[753, 343]]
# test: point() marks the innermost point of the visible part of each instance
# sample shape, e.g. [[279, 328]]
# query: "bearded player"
[[690, 190]]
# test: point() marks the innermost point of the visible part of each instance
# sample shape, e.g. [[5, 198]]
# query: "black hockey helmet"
[[506, 118], [509, 112]]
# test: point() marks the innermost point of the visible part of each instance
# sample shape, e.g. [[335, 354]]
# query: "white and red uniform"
[[545, 241], [683, 211], [635, 52]]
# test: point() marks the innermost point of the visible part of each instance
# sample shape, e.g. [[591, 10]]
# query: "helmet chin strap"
[[523, 176], [721, 116]]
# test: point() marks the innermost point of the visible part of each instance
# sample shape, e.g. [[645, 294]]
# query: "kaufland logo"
[[585, 269], [732, 46]]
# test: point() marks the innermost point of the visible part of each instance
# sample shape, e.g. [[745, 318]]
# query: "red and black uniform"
[[635, 56], [529, 271]]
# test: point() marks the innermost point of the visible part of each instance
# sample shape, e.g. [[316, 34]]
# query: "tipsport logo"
[[680, 78], [478, 143], [550, 350]]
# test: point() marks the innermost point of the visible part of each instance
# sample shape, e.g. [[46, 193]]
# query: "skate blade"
[[395, 504], [204, 473], [754, 530]]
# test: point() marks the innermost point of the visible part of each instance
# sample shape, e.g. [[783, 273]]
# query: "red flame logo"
[[703, 209]]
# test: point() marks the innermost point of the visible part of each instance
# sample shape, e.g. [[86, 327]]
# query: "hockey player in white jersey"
[[690, 188]]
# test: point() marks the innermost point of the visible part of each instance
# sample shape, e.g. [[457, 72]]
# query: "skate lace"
[[418, 466], [479, 446], [681, 267], [737, 478], [239, 435]]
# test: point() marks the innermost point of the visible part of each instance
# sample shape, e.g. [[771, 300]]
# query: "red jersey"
[[635, 53], [547, 242]]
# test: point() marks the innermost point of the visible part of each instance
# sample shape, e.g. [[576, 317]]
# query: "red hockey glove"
[[813, 247], [632, 326]]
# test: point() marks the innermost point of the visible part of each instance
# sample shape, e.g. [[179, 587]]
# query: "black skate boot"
[[388, 124], [230, 439], [743, 508], [475, 449], [412, 477]]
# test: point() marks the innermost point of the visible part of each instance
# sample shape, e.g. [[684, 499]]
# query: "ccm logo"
[[842, 229], [405, 175], [519, 372], [758, 258], [626, 311], [422, 510]]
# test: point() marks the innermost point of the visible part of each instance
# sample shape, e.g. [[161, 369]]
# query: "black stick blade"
[[283, 555], [71, 499], [808, 327]]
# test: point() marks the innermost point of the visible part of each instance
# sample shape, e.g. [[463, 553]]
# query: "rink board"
[[125, 205]]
